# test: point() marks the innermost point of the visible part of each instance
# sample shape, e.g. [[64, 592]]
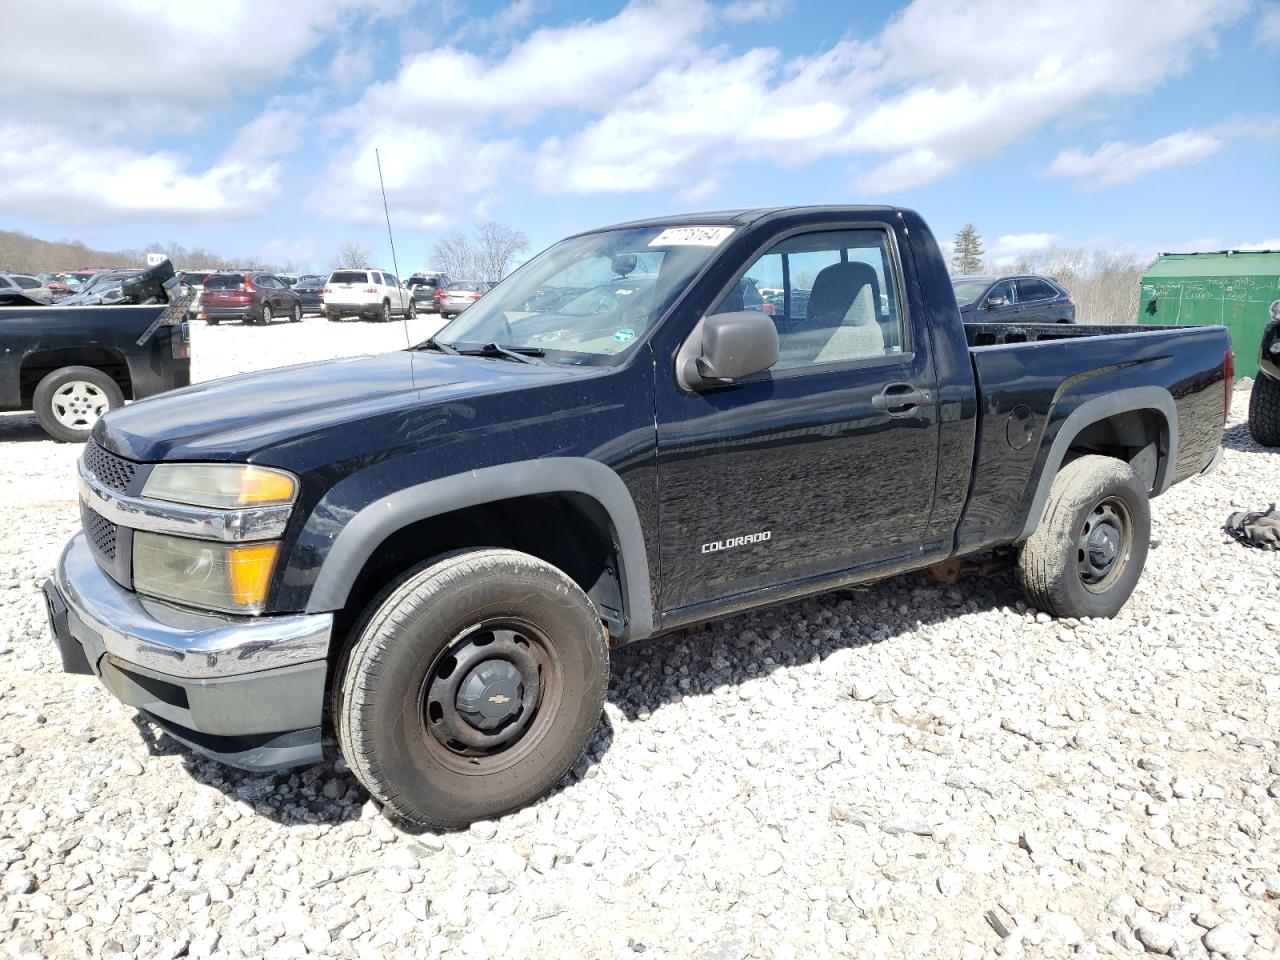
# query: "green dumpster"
[[1230, 287]]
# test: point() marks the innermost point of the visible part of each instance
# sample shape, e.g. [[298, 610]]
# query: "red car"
[[249, 298]]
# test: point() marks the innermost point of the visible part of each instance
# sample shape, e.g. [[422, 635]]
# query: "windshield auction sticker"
[[691, 237]]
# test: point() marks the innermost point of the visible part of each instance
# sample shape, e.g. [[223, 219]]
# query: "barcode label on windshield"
[[691, 237]]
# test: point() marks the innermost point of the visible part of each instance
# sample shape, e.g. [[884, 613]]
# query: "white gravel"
[[906, 770]]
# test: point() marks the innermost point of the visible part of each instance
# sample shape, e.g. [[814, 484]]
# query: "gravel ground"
[[906, 770]]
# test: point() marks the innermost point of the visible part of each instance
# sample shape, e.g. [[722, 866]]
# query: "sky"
[[251, 128]]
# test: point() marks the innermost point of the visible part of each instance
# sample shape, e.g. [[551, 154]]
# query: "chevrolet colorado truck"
[[71, 364], [428, 554]]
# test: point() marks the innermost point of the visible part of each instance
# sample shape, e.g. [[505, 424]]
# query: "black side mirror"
[[993, 302], [726, 347]]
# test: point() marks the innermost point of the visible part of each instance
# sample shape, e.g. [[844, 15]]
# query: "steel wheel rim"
[[448, 705], [386, 313], [78, 404], [266, 314], [1104, 545]]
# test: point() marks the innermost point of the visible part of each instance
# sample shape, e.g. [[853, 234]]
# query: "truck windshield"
[[589, 299]]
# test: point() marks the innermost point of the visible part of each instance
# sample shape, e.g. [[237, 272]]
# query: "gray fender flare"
[[1156, 399], [370, 526]]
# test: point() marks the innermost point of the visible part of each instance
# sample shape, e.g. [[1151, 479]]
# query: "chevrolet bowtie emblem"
[[499, 699]]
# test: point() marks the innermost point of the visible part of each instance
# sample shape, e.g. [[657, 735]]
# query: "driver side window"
[[1002, 294], [833, 296]]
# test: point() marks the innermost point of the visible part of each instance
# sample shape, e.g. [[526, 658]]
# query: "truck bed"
[[1032, 377]]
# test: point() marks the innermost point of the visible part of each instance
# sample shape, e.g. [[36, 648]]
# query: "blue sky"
[[250, 128]]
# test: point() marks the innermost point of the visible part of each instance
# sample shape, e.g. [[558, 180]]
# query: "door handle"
[[900, 399]]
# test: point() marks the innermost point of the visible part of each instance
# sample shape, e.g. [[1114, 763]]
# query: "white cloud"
[[66, 177], [750, 11], [1268, 33], [1117, 162], [916, 96], [1271, 244], [159, 50]]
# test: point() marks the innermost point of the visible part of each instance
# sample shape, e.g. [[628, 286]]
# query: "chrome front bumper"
[[246, 690]]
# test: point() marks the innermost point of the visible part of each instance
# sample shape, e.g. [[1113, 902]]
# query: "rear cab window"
[[349, 276]]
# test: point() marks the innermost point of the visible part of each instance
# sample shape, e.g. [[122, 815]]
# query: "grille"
[[112, 471], [100, 532]]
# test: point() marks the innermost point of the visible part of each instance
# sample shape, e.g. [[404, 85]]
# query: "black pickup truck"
[[72, 364], [429, 553]]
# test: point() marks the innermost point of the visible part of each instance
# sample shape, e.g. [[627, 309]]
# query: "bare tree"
[[352, 254], [496, 246], [455, 256], [487, 257]]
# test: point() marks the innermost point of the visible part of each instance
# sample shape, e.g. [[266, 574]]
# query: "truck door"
[[825, 463]]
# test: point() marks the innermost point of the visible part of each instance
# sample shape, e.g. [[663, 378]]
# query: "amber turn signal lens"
[[250, 568], [265, 486]]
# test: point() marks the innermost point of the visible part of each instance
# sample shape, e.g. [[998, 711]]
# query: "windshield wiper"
[[431, 343], [519, 354]]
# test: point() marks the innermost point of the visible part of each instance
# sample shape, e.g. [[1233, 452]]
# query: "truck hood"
[[231, 419]]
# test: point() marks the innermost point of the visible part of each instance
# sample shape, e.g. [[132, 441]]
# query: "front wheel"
[[1085, 557], [411, 311], [296, 316], [472, 686], [68, 402], [1264, 410]]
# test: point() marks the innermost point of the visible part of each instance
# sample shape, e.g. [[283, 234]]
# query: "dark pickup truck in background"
[[430, 552], [72, 364]]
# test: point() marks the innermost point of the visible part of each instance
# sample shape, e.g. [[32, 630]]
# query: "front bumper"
[[248, 691]]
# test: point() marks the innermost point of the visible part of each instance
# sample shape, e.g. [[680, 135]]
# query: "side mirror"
[[993, 302], [726, 347]]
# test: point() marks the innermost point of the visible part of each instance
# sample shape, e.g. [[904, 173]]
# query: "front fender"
[[370, 526]]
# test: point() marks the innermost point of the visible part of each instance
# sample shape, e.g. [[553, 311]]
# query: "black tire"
[[213, 322], [386, 311], [1264, 410], [411, 311], [296, 316], [1087, 554], [267, 315], [68, 413], [398, 675]]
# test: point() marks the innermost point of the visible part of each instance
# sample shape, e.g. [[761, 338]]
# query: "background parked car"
[[461, 294], [102, 288], [1013, 299], [249, 298], [32, 287], [374, 294], [427, 289], [310, 291]]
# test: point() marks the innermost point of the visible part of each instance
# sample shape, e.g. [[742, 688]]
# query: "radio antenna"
[[404, 315]]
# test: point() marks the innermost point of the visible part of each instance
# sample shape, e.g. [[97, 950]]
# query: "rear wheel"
[[472, 686], [267, 316], [68, 402], [411, 311], [386, 311], [1264, 410], [1085, 557]]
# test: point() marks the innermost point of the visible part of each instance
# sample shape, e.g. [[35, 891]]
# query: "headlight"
[[220, 485], [231, 577]]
